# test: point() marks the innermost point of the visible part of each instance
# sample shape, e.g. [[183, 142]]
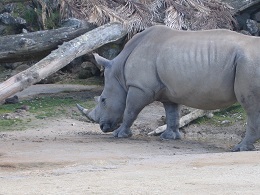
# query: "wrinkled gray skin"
[[205, 70]]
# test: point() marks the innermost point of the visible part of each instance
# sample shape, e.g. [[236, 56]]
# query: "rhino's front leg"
[[172, 121], [136, 100]]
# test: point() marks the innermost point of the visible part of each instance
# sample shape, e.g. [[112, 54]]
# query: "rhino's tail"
[[102, 62]]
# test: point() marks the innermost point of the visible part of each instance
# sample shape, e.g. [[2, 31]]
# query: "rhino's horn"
[[83, 110]]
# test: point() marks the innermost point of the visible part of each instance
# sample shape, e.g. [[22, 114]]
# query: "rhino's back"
[[195, 68]]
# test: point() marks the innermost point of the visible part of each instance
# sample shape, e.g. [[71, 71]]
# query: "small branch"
[[185, 120]]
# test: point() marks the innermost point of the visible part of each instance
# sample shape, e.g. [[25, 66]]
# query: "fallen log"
[[61, 57], [185, 120], [36, 45]]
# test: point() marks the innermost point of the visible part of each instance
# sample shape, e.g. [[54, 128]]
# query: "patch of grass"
[[225, 117], [52, 106], [88, 81], [6, 108], [42, 108], [7, 125], [53, 20]]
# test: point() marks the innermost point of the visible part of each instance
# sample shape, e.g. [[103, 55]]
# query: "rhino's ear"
[[96, 98], [102, 62]]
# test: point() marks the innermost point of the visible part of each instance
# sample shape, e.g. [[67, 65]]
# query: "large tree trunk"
[[61, 57], [36, 45]]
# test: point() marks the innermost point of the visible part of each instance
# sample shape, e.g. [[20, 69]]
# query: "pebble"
[[225, 122]]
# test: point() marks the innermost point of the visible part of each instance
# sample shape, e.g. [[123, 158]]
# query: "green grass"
[[42, 108], [9, 122], [89, 81], [232, 114], [46, 107]]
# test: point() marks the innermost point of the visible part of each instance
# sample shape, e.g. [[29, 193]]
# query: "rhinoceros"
[[207, 70]]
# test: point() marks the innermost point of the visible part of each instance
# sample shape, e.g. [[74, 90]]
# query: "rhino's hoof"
[[243, 147], [122, 133], [170, 135]]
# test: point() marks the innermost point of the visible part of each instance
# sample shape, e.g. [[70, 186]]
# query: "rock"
[[209, 115], [110, 50], [225, 122], [74, 22], [73, 66], [7, 30], [241, 19], [256, 16], [84, 74], [12, 100], [12, 66], [8, 19], [9, 7], [7, 116], [90, 67], [2, 29], [252, 27], [10, 24], [20, 68], [24, 31], [25, 107], [54, 78], [2, 8]]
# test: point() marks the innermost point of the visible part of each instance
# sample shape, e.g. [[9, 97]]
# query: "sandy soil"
[[69, 156]]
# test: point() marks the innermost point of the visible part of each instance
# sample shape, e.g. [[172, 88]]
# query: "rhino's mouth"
[[106, 127], [109, 127]]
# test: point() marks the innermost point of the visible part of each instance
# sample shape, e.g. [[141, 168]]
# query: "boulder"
[[256, 16], [9, 19], [252, 27]]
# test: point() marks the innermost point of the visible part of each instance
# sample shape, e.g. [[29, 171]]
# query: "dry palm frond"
[[196, 14], [101, 15], [174, 18], [137, 15]]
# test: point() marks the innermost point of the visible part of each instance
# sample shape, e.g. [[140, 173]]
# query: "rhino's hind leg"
[[252, 134], [172, 121], [252, 108]]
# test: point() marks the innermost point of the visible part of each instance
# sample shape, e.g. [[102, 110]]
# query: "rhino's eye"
[[103, 100]]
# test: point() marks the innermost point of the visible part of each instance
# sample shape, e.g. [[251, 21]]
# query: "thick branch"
[[36, 45], [61, 57]]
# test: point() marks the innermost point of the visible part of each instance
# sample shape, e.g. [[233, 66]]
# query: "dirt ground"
[[68, 156]]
